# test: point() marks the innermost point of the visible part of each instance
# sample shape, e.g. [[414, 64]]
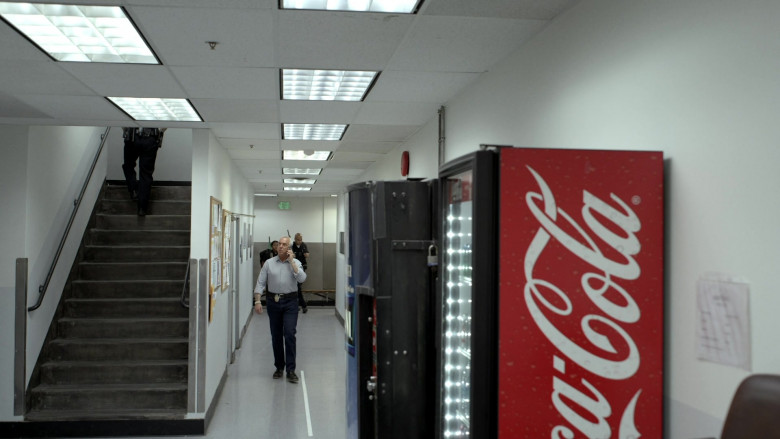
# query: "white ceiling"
[[424, 59]]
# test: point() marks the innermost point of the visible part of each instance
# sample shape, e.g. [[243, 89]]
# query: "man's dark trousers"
[[283, 318], [144, 150]]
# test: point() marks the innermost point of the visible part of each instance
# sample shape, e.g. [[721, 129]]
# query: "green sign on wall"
[[284, 205]]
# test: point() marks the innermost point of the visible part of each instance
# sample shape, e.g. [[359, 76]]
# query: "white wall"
[[313, 217], [13, 181], [173, 158], [697, 80], [216, 175], [43, 171]]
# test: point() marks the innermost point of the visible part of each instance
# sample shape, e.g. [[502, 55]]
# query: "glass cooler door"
[[456, 307], [467, 316]]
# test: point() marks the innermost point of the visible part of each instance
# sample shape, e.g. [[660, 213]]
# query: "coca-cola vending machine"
[[551, 295]]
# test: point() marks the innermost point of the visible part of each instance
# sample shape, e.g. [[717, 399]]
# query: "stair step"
[[159, 193], [132, 270], [110, 396], [138, 237], [103, 414], [135, 222], [145, 307], [135, 253], [94, 349], [114, 372], [109, 289], [75, 328], [156, 207]]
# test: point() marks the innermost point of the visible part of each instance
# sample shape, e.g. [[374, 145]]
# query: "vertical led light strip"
[[456, 325]]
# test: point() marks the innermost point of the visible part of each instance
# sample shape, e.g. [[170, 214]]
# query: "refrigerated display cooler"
[[550, 304], [389, 319]]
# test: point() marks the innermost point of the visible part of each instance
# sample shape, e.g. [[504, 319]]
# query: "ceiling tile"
[[12, 107], [384, 133], [318, 111], [238, 110], [396, 113], [364, 41], [262, 145], [245, 36], [406, 86], [374, 147], [267, 131], [39, 77], [87, 107], [228, 82], [133, 80], [460, 44], [522, 9]]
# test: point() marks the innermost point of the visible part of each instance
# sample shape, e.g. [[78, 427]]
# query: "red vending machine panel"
[[581, 294]]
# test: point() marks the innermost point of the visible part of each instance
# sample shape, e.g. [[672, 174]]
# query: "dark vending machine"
[[389, 321], [550, 303]]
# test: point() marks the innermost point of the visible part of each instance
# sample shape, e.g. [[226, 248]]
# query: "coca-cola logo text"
[[599, 356]]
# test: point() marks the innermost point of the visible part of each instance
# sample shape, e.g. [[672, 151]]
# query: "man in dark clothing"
[[141, 144], [301, 253], [268, 253]]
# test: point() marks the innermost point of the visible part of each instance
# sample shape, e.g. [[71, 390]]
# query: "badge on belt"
[[276, 297]]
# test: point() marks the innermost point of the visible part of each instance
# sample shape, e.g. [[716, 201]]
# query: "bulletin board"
[[215, 252], [227, 268]]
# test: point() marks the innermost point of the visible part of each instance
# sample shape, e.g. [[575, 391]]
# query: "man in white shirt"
[[281, 274]]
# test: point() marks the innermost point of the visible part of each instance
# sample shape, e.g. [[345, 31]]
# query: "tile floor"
[[254, 405]]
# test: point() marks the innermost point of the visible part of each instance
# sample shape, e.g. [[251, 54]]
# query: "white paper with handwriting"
[[723, 321]]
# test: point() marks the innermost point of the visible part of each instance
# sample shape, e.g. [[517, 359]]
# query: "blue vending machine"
[[389, 318]]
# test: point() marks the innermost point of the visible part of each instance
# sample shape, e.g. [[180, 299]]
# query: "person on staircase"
[[141, 145]]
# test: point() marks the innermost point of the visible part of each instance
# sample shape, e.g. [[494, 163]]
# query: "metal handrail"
[[184, 296], [76, 203]]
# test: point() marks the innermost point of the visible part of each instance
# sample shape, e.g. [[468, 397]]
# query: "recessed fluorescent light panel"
[[80, 33], [289, 188], [306, 155], [395, 6], [313, 131], [157, 109], [301, 171], [266, 195], [326, 85], [300, 180]]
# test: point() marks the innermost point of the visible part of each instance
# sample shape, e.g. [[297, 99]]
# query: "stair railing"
[[185, 298], [76, 203]]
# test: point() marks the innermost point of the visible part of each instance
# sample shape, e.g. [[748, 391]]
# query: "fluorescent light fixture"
[[301, 171], [334, 195], [80, 33], [313, 131], [266, 195], [157, 109], [396, 6], [326, 85], [306, 155], [290, 188], [300, 180]]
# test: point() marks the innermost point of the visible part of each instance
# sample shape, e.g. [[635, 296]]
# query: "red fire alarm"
[[405, 163]]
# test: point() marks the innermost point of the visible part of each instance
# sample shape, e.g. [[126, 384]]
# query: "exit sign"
[[284, 205]]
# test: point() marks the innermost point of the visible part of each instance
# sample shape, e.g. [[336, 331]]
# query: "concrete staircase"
[[118, 347]]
